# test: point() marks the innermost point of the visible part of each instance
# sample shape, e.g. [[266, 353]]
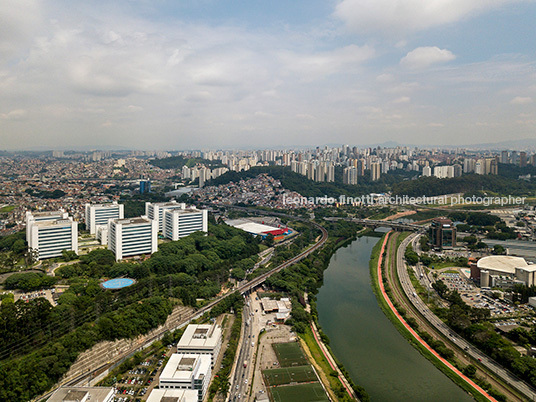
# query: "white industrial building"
[[179, 223], [133, 236], [155, 211], [50, 237], [83, 394], [502, 270], [173, 395], [187, 371], [201, 339], [100, 214]]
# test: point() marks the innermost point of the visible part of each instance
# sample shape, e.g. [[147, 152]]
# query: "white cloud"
[[16, 114], [19, 20], [319, 64], [521, 100], [402, 99], [385, 78], [395, 17], [424, 57]]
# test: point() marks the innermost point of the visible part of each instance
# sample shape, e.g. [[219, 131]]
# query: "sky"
[[208, 74]]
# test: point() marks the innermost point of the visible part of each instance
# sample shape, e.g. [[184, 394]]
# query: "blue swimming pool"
[[118, 283]]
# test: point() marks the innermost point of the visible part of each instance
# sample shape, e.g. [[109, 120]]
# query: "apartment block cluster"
[[482, 166], [320, 164], [51, 232], [203, 173]]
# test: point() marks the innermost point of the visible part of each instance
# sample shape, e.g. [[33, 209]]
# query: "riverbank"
[[378, 259], [318, 342], [364, 340]]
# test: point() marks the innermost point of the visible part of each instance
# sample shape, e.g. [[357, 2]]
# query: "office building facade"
[[442, 233], [99, 214], [134, 236], [179, 223], [50, 237], [187, 371], [155, 211]]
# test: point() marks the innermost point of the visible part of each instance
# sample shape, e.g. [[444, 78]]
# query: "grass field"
[[7, 208], [299, 393], [289, 354], [289, 375]]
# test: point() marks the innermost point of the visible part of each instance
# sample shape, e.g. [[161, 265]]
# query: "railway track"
[[403, 299]]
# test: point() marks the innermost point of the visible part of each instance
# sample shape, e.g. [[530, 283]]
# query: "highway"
[[469, 349], [239, 386]]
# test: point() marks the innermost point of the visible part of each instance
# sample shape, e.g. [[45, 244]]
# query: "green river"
[[365, 341]]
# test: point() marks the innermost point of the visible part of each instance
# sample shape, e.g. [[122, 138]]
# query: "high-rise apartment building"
[[375, 171]]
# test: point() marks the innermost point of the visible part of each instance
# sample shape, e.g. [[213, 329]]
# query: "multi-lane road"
[[469, 349]]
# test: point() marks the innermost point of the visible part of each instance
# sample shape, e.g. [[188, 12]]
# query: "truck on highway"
[[414, 294], [245, 364]]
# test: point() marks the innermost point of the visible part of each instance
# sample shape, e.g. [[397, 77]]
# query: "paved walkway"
[[416, 336], [332, 363]]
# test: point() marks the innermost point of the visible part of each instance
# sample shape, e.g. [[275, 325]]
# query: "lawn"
[[287, 375], [289, 354], [299, 393]]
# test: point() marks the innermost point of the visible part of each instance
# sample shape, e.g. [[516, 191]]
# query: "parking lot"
[[456, 281], [137, 383]]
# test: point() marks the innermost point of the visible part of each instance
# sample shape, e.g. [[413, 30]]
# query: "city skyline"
[[197, 75]]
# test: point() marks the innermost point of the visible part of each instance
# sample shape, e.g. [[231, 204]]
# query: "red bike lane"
[[416, 336]]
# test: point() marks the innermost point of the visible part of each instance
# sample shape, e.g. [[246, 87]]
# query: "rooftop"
[[173, 395], [200, 337], [133, 221], [77, 394], [184, 367], [47, 213], [504, 263], [249, 226], [56, 222]]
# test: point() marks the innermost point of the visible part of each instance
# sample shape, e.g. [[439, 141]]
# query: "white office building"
[[201, 339], [50, 237], [187, 371], [42, 216], [134, 236], [83, 394], [155, 211], [179, 223], [102, 234], [99, 214], [173, 395]]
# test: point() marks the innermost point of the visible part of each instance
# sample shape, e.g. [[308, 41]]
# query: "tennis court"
[[289, 354], [289, 375]]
